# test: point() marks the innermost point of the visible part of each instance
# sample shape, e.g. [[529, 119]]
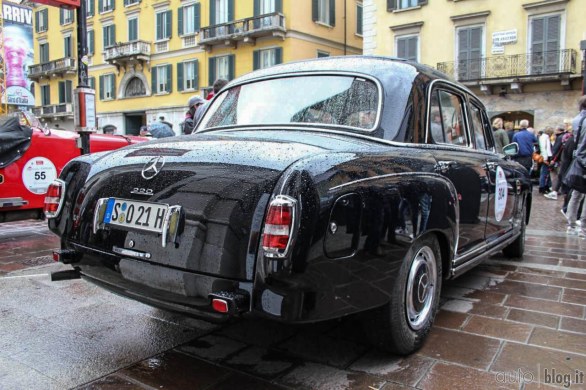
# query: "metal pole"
[[82, 68], [583, 48]]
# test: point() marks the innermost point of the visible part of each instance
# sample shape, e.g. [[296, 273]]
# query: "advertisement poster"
[[18, 54]]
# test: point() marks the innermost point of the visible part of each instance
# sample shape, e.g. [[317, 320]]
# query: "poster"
[[18, 54]]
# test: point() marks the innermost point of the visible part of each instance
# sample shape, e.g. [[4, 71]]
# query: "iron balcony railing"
[[54, 110], [547, 63], [61, 65], [127, 49], [249, 27]]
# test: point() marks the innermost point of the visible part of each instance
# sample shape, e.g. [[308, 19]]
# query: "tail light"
[[54, 198], [277, 233]]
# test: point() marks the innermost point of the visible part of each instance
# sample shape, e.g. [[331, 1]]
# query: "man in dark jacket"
[[526, 141]]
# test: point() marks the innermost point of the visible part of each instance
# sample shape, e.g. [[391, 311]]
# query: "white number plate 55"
[[136, 215]]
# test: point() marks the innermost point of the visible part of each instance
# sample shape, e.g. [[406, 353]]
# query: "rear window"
[[344, 101]]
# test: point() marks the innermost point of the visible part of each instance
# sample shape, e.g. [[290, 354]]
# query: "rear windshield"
[[324, 100]]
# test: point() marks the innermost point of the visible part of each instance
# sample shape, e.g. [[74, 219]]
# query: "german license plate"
[[136, 215]]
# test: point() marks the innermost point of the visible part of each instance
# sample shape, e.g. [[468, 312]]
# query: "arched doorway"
[[513, 116]]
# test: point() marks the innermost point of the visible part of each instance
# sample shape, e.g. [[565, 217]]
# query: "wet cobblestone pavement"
[[505, 324]]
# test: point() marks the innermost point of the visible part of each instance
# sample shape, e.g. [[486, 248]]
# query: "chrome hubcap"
[[421, 288]]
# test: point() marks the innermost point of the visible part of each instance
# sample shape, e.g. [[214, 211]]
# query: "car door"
[[501, 178], [457, 160]]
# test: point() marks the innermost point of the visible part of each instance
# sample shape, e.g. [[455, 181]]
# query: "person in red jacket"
[[218, 85]]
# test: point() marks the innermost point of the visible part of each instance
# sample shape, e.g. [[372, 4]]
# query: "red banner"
[[69, 4]]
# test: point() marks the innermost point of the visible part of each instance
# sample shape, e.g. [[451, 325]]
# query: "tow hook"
[[65, 275], [230, 302]]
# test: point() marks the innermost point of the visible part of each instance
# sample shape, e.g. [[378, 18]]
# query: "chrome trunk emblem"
[[153, 167]]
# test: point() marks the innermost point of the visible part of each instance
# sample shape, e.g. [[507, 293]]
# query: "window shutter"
[[314, 10], [256, 7], [180, 66], [401, 48], [154, 80], [169, 78], [68, 91], [113, 85], [278, 55], [92, 82], [230, 10], [463, 44], [37, 21], [212, 12], [552, 33], [212, 71], [422, 2], [33, 87], [168, 23], [231, 67], [126, 2], [475, 43], [132, 30], [90, 8], [100, 5], [113, 35], [180, 21], [391, 5], [46, 19], [113, 4], [61, 92], [278, 5], [101, 87], [412, 48], [537, 33], [256, 60], [196, 74], [61, 16], [159, 26], [332, 13], [197, 16], [359, 20]]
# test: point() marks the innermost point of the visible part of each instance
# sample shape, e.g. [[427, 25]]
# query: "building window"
[[65, 16], [404, 4], [89, 8], [109, 33], [359, 19], [45, 95], [44, 53], [545, 44], [67, 47], [187, 76], [41, 20], [221, 68], [322, 54], [221, 10], [130, 2], [65, 91], [91, 44], [107, 86], [132, 29], [161, 79], [163, 25], [324, 11], [106, 5], [469, 52], [267, 58], [189, 19], [407, 47]]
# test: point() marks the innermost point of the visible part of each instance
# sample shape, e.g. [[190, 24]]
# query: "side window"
[[447, 123], [480, 141]]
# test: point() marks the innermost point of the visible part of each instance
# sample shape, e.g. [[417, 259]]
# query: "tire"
[[401, 326], [516, 248]]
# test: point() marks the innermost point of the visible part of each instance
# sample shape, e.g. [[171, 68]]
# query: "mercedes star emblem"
[[153, 167]]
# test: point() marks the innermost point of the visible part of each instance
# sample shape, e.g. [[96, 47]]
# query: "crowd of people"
[[558, 156]]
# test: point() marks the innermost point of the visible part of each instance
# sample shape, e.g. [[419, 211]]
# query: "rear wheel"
[[400, 327], [516, 248]]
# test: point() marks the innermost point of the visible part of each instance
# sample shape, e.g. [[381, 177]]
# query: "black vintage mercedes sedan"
[[309, 191]]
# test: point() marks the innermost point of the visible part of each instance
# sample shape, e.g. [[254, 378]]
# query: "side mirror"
[[511, 150]]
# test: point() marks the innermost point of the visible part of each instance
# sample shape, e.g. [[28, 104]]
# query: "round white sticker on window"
[[37, 174], [500, 194]]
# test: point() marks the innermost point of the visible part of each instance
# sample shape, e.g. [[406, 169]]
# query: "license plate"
[[136, 215]]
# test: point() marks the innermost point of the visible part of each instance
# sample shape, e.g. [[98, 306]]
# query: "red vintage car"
[[32, 156]]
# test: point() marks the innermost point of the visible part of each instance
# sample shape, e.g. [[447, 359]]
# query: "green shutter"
[[230, 10], [91, 42], [159, 26], [196, 74], [125, 3], [113, 41], [113, 4], [100, 5], [113, 85], [46, 18], [332, 13], [197, 16], [279, 6], [211, 71], [422, 2], [391, 5], [180, 66], [37, 21], [180, 21], [231, 67], [169, 78], [256, 7], [212, 13], [90, 8], [61, 16], [154, 80], [61, 92], [359, 20], [101, 87], [92, 82], [314, 10], [278, 55], [68, 91], [169, 23], [256, 60]]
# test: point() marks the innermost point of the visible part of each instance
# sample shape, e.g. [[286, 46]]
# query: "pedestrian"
[[546, 155], [218, 85], [193, 105], [499, 134], [560, 140], [510, 129], [109, 129], [163, 121], [526, 142], [575, 178]]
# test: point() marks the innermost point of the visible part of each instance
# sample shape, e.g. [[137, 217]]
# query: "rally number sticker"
[[501, 194], [37, 174]]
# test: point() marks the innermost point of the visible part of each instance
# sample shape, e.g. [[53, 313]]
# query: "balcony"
[[57, 68], [245, 30], [54, 111], [128, 53], [557, 65]]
